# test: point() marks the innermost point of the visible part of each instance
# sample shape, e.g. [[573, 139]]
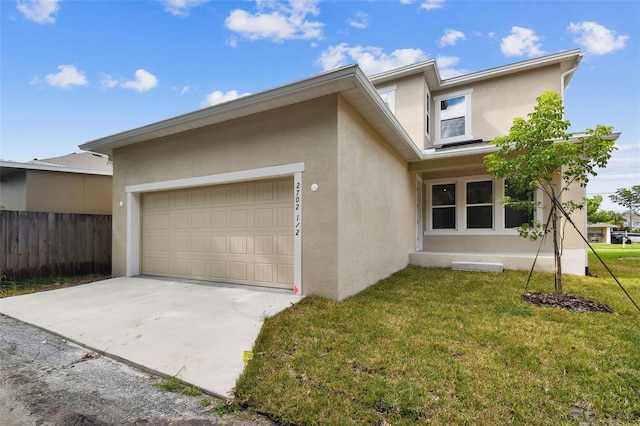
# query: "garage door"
[[239, 233]]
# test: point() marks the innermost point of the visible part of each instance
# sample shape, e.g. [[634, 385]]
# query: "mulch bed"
[[566, 301]]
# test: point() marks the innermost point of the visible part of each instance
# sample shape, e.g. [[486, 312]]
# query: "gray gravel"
[[44, 380]]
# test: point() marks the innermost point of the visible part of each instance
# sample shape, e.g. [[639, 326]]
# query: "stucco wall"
[[304, 132], [59, 192], [496, 102], [376, 206], [13, 191], [410, 107]]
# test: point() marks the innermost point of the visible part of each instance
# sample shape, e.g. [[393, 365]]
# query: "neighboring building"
[[635, 221], [330, 183], [74, 183], [600, 232]]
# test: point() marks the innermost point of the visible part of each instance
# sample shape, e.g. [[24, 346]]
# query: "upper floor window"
[[388, 95], [427, 113], [453, 117]]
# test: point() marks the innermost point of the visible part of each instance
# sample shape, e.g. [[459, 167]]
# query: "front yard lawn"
[[449, 347]]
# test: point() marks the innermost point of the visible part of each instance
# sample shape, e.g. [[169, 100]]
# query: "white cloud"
[[451, 37], [181, 7], [426, 4], [219, 97], [108, 82], [39, 11], [595, 38], [144, 81], [68, 76], [277, 21], [184, 90], [360, 20], [432, 4], [522, 41], [446, 67], [371, 59], [632, 147]]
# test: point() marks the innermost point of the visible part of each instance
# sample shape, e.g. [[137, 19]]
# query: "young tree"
[[537, 154], [629, 198]]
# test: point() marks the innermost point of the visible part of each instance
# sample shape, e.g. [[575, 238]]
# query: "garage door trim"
[[134, 211]]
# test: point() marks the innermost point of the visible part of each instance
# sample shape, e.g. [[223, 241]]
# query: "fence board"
[[35, 244]]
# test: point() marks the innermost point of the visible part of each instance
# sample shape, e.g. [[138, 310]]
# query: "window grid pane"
[[480, 205], [443, 210]]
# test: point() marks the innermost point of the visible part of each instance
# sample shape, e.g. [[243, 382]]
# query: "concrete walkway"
[[196, 331]]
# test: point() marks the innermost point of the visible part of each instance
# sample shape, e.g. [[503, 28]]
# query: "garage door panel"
[[239, 218], [263, 218], [263, 245], [241, 233], [218, 219], [285, 274], [219, 244], [238, 271]]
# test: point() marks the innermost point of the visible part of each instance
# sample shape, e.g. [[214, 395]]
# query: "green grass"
[[449, 347], [174, 384], [33, 285]]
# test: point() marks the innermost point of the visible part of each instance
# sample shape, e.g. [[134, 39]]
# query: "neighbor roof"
[[80, 160], [85, 163]]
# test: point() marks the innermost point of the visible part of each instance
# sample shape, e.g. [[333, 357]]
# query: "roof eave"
[[342, 80]]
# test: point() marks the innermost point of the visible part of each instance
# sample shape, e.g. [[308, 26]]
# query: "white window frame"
[[429, 216], [491, 204], [461, 207], [388, 95], [467, 121], [427, 113]]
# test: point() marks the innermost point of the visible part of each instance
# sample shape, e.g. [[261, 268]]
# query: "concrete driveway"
[[196, 331]]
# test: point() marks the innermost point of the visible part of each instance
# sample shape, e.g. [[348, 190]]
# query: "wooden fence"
[[35, 244]]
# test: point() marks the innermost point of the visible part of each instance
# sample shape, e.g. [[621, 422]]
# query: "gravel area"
[[45, 380]]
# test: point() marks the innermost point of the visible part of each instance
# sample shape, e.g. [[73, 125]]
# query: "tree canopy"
[[539, 154]]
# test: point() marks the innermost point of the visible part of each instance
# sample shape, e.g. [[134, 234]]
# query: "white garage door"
[[239, 233]]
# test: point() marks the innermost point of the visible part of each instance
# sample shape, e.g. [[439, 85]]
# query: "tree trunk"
[[556, 252]]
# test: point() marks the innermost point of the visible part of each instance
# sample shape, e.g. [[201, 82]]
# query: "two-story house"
[[328, 184]]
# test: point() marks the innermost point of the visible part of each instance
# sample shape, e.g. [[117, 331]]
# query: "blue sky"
[[73, 71]]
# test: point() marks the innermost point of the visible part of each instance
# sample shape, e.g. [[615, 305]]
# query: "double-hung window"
[[427, 114], [479, 196], [453, 117], [516, 217], [443, 206]]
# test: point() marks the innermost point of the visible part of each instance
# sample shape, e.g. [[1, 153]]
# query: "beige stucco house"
[[75, 183], [328, 184]]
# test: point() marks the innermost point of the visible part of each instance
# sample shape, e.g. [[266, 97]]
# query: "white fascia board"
[[367, 87], [51, 168], [516, 67], [395, 74], [433, 154]]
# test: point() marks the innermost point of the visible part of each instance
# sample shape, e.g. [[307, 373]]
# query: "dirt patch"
[[566, 301], [46, 381]]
